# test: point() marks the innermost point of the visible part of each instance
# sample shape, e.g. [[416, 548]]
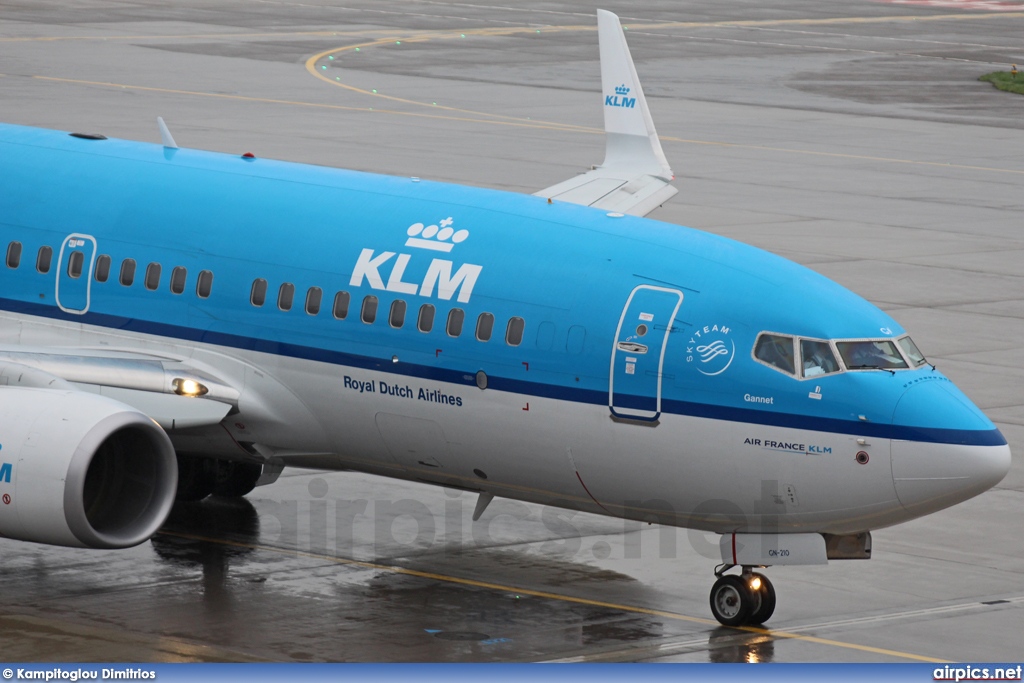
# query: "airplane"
[[177, 323]]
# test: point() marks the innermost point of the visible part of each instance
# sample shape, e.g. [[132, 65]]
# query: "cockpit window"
[[776, 350], [817, 358], [875, 354], [911, 352]]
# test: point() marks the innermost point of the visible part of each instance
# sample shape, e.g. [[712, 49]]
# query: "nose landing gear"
[[746, 599]]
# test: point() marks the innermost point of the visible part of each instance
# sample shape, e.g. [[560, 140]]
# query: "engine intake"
[[81, 470]]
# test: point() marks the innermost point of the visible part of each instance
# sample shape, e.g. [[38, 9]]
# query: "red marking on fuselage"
[[591, 494]]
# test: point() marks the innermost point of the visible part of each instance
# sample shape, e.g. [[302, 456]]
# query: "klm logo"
[[619, 99], [441, 275], [5, 472]]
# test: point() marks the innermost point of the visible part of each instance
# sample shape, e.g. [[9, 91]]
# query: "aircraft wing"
[[635, 177], [171, 392]]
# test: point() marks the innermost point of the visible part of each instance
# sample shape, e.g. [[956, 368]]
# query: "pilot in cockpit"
[[872, 354], [818, 358]]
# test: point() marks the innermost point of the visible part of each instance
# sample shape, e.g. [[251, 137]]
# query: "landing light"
[[755, 583], [188, 387]]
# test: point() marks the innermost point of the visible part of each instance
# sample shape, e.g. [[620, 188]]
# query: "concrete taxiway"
[[851, 137]]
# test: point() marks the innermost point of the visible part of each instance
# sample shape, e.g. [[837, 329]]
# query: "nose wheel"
[[747, 599]]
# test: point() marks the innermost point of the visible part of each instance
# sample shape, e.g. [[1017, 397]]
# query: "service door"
[[74, 273], [638, 355]]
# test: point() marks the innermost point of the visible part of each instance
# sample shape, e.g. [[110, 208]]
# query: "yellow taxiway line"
[[495, 119], [487, 585]]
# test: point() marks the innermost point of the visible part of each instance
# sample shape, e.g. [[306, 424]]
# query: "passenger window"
[[514, 331], [76, 260], [545, 334], [777, 351], [178, 277], [484, 327], [204, 284], [341, 305], [127, 277], [397, 317], [575, 340], [869, 354], [313, 297], [152, 276], [425, 320], [911, 351], [43, 259], [102, 273], [258, 294], [369, 313], [285, 296], [14, 254], [817, 358], [455, 318]]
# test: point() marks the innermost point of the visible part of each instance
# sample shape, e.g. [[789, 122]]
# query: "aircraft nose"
[[952, 451]]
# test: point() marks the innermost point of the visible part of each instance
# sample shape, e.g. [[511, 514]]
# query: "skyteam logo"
[[711, 349], [402, 277], [620, 99]]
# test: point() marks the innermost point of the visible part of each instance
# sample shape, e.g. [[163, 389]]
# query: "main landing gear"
[[199, 477], [747, 599]]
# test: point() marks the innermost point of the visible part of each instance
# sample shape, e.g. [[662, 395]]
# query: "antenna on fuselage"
[[165, 134]]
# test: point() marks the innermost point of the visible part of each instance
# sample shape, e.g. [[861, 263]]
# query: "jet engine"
[[81, 470]]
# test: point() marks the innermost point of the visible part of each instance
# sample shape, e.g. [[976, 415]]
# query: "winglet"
[[635, 176], [165, 134], [632, 140]]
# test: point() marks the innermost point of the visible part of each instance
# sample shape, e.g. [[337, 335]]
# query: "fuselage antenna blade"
[[165, 134]]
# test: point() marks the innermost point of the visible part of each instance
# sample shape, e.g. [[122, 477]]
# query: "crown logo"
[[621, 89], [440, 237]]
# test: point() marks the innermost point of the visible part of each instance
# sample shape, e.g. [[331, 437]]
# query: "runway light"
[[374, 91], [755, 583], [330, 57], [188, 387], [357, 49], [324, 67], [398, 42]]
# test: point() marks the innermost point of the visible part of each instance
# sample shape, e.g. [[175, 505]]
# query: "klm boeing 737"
[[178, 323]]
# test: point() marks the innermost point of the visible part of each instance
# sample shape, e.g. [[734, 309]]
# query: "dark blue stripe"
[[992, 437]]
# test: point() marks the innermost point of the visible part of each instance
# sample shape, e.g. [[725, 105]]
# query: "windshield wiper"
[[871, 367]]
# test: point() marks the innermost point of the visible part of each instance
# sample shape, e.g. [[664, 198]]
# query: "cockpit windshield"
[[910, 350], [805, 358], [817, 357], [880, 354]]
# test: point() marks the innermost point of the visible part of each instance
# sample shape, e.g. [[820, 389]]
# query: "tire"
[[195, 478], [235, 479], [731, 601], [766, 605]]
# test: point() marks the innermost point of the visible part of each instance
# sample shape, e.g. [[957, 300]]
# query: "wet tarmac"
[[851, 137]]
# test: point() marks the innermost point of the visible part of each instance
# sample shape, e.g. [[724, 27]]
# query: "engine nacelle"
[[81, 470]]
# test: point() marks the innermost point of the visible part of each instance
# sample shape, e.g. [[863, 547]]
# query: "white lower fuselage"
[[708, 474]]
